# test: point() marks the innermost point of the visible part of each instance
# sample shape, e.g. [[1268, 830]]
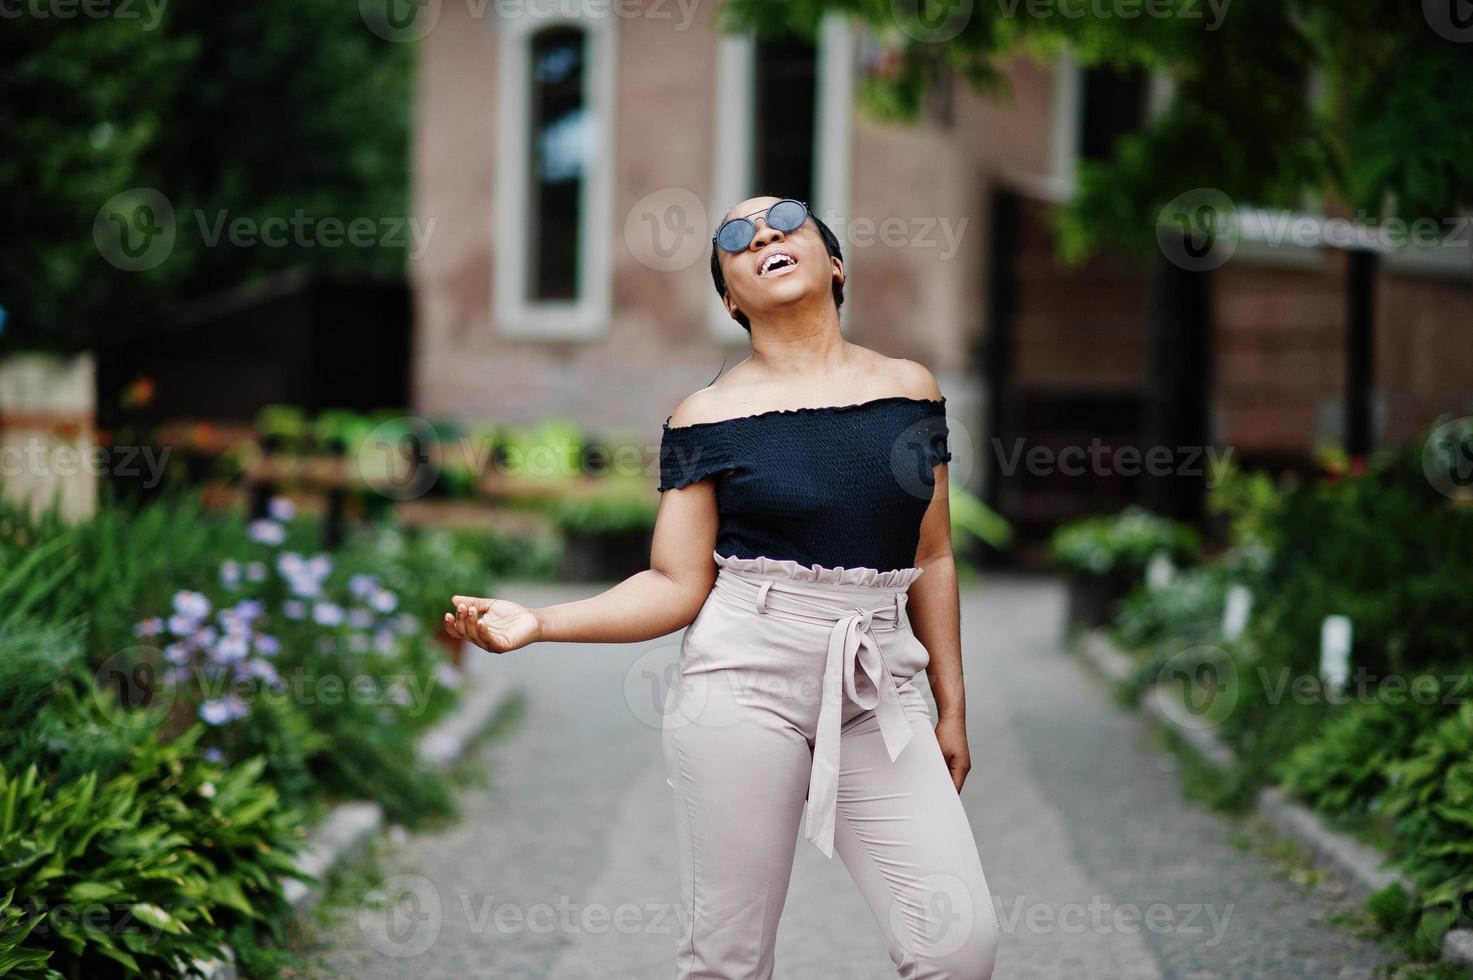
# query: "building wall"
[[919, 296]]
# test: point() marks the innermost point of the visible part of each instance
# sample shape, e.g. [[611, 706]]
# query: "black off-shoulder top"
[[842, 486]]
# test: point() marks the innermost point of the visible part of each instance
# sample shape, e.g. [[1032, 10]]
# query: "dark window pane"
[[783, 128], [1114, 104], [559, 120]]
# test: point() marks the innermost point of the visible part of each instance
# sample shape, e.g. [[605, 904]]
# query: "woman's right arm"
[[659, 600], [652, 603]]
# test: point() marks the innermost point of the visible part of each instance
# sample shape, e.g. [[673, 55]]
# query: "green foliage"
[[1121, 542], [141, 872], [971, 517], [1392, 134], [1348, 765], [624, 507], [259, 111]]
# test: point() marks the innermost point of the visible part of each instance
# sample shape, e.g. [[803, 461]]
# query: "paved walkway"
[[562, 867]]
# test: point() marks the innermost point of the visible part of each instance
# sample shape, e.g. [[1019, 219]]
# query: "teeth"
[[771, 260]]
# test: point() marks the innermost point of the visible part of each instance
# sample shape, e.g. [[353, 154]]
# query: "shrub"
[[1121, 542]]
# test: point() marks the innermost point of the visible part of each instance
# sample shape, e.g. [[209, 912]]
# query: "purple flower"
[[231, 649], [267, 645], [265, 671], [152, 626], [294, 609], [290, 564], [249, 609], [214, 755], [319, 565], [205, 636], [327, 613], [255, 571], [383, 641], [305, 586], [360, 619], [177, 654], [384, 601], [230, 574], [361, 585], [215, 712], [182, 625], [266, 532], [281, 509], [191, 604]]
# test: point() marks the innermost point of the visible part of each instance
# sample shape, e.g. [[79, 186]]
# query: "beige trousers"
[[794, 699]]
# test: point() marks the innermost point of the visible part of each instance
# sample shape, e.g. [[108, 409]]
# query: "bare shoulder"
[[911, 378], [710, 404]]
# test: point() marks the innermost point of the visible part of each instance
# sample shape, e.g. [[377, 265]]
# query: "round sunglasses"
[[736, 234]]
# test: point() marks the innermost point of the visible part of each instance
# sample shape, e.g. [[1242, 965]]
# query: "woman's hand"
[[497, 625], [951, 733]]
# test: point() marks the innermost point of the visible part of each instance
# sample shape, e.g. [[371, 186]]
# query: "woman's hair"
[[830, 242]]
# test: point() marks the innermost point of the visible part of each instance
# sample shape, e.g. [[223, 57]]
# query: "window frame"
[[514, 314]]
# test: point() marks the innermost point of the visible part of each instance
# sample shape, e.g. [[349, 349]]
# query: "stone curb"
[[344, 834], [1361, 867]]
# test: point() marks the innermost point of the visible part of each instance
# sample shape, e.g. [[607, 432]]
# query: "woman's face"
[[777, 269]]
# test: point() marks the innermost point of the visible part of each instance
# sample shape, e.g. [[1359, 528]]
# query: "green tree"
[[285, 109]]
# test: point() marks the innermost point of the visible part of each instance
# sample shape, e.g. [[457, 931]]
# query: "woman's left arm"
[[933, 606]]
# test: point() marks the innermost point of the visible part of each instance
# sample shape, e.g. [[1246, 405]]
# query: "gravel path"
[[561, 868]]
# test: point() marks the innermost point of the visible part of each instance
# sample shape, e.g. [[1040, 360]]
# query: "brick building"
[[576, 165]]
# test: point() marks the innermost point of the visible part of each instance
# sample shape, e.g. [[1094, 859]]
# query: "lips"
[[777, 262]]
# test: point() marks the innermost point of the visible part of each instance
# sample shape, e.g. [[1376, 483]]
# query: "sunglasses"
[[736, 234]]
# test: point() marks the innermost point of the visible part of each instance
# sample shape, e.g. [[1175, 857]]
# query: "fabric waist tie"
[[855, 665]]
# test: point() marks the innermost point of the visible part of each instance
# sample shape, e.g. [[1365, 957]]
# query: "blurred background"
[[313, 314]]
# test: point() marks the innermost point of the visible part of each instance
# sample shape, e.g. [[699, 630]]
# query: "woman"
[[805, 541]]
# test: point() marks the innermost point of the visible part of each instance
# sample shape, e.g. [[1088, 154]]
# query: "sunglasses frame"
[[716, 238]]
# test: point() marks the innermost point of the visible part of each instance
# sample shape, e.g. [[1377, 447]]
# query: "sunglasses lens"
[[736, 235], [787, 215]]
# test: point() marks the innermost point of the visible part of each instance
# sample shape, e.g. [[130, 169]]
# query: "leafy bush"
[[1349, 764], [1121, 542], [141, 872]]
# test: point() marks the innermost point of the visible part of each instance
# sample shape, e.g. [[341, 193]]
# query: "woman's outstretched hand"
[[497, 625]]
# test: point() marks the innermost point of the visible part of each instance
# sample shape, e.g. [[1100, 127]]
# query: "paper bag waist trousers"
[[794, 699]]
